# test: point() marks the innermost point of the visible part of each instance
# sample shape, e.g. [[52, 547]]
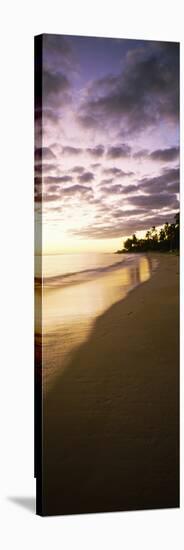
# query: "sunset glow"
[[110, 141]]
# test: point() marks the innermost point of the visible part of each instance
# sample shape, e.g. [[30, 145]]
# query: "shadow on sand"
[[110, 435]]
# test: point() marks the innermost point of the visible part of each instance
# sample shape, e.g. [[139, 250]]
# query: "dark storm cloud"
[[86, 177], [44, 153], [146, 91], [121, 151], [165, 155], [97, 151], [69, 150]]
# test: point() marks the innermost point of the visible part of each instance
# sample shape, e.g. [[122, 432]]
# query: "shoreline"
[[84, 302], [111, 427]]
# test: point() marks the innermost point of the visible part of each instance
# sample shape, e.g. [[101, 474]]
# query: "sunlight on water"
[[90, 298], [70, 311], [144, 270]]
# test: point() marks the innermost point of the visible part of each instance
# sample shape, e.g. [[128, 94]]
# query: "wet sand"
[[69, 311], [111, 426]]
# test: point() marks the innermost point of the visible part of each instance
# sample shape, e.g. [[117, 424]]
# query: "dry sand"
[[111, 421]]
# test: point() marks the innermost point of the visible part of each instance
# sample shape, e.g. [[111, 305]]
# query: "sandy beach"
[[111, 426]]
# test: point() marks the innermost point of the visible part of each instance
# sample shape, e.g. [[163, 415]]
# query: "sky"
[[107, 160]]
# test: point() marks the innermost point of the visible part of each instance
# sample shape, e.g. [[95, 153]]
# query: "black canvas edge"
[[38, 416]]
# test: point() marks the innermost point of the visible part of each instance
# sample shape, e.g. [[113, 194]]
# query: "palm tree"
[[134, 239], [167, 239]]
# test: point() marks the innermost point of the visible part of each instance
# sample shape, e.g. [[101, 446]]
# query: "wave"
[[80, 275]]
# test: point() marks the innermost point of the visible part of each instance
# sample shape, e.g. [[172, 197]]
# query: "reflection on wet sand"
[[68, 312]]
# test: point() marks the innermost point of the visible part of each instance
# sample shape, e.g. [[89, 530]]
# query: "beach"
[[111, 418], [77, 289]]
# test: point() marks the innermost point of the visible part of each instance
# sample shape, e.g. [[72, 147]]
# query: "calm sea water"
[[76, 289]]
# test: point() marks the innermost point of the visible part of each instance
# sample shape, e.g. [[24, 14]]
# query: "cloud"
[[119, 189], [57, 53], [165, 155], [141, 154], [77, 189], [117, 172], [44, 153], [57, 179], [86, 121], [125, 227], [105, 181], [129, 213], [43, 168], [56, 89], [121, 151], [45, 116], [95, 165], [69, 150], [146, 91], [86, 177], [55, 193], [78, 169], [97, 151], [94, 123], [53, 188], [114, 190], [54, 83], [46, 197], [59, 64], [130, 188], [174, 187], [156, 201], [159, 183]]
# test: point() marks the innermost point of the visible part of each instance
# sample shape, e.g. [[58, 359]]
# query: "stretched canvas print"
[[106, 274]]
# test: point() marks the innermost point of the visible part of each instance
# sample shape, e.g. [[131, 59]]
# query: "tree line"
[[164, 240]]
